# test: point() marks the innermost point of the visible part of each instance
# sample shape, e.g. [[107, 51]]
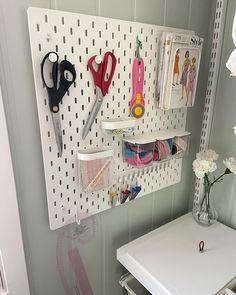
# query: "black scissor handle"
[[55, 94], [54, 69], [65, 82]]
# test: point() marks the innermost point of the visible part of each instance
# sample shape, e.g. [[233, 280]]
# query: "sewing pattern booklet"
[[179, 62]]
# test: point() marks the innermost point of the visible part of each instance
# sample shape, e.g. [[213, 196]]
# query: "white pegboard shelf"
[[77, 37], [157, 135]]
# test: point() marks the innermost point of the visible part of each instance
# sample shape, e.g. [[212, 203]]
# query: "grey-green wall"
[[223, 139], [113, 227]]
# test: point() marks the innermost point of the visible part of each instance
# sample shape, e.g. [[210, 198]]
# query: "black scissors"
[[57, 90]]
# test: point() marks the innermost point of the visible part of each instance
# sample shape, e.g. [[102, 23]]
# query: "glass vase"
[[204, 213]]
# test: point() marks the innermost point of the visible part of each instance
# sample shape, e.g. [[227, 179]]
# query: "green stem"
[[217, 178], [205, 191], [208, 205], [207, 180], [206, 197]]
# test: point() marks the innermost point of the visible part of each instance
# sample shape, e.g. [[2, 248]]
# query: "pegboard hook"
[[77, 220], [138, 46], [48, 37]]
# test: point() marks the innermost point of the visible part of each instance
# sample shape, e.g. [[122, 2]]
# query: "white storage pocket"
[[180, 144], [95, 167], [144, 149]]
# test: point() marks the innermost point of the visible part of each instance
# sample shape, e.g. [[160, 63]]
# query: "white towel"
[[231, 63]]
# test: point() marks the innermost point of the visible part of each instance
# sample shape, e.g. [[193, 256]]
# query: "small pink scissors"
[[102, 80]]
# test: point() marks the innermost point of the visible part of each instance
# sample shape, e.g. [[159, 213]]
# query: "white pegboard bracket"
[[216, 49]]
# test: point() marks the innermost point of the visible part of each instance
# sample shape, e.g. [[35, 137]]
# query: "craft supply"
[[119, 126], [138, 154], [179, 62], [55, 92], [79, 271], [113, 197], [141, 150], [102, 80], [163, 149], [180, 144], [135, 191], [124, 195], [137, 104], [96, 179]]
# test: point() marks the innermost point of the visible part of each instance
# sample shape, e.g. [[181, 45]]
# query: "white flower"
[[200, 167], [212, 167], [230, 163], [208, 155]]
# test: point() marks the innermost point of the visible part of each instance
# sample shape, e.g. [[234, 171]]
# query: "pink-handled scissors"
[[102, 80]]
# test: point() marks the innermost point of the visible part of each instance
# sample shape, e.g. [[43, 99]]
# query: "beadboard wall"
[[114, 227]]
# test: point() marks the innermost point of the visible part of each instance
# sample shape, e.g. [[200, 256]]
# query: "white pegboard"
[[77, 37]]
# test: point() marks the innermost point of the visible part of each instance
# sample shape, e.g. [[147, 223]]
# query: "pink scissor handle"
[[106, 83], [97, 74]]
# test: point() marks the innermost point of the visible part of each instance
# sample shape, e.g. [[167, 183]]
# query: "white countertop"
[[167, 260]]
